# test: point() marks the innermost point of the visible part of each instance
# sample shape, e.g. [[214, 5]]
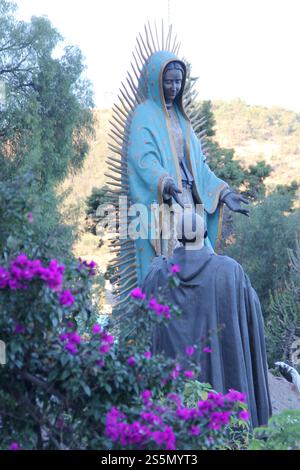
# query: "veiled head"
[[172, 81]]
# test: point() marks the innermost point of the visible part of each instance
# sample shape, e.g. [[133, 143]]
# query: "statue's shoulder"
[[142, 110], [228, 265]]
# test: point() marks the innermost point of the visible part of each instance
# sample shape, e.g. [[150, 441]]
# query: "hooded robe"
[[152, 156], [220, 307]]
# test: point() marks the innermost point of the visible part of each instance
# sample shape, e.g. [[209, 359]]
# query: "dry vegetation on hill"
[[260, 133]]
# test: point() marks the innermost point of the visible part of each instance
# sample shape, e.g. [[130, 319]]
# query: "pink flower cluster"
[[138, 433], [218, 408], [210, 415], [19, 328], [30, 217], [189, 350], [22, 270], [159, 309], [91, 266], [66, 298], [175, 269], [71, 340], [106, 340], [188, 374], [137, 294], [14, 446], [131, 361]]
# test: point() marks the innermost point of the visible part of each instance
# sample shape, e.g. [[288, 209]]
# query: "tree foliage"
[[46, 122], [261, 242], [283, 326]]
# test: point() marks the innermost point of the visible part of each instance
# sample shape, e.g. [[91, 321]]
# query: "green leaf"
[[86, 389]]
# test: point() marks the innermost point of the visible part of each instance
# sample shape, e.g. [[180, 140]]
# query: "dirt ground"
[[283, 395]]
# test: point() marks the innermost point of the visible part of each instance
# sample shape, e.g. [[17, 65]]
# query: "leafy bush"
[[283, 325], [282, 433], [66, 388], [30, 220]]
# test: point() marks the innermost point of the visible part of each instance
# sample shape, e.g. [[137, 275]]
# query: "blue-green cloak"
[[151, 155]]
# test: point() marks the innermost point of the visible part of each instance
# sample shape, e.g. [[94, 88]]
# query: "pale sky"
[[246, 49]]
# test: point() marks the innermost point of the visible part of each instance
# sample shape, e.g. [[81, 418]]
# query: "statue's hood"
[[152, 81], [192, 263]]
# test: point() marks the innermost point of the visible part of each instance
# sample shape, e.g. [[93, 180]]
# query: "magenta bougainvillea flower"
[[153, 304], [104, 348], [96, 329], [66, 298], [90, 267], [189, 350], [176, 398], [138, 294], [107, 338], [4, 277], [244, 415], [234, 395], [154, 423], [22, 270], [137, 433], [159, 309], [146, 396], [189, 374], [71, 340], [175, 269], [30, 217], [131, 361], [195, 430], [71, 348], [14, 446], [74, 338], [19, 328]]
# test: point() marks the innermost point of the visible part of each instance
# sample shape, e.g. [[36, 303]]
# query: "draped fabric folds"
[[219, 308]]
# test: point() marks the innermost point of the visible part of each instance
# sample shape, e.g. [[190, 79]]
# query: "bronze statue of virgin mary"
[[158, 160]]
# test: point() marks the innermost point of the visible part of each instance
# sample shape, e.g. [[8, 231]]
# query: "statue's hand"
[[233, 202], [171, 189], [174, 191]]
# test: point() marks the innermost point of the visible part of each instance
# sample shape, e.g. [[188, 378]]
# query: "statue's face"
[[172, 82]]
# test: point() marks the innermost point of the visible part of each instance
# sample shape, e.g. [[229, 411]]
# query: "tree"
[[261, 242], [47, 120], [45, 128], [283, 326], [95, 220]]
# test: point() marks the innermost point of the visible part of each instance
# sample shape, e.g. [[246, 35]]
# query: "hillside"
[[254, 132], [260, 133]]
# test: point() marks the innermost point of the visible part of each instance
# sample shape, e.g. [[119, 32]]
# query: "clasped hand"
[[172, 190]]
